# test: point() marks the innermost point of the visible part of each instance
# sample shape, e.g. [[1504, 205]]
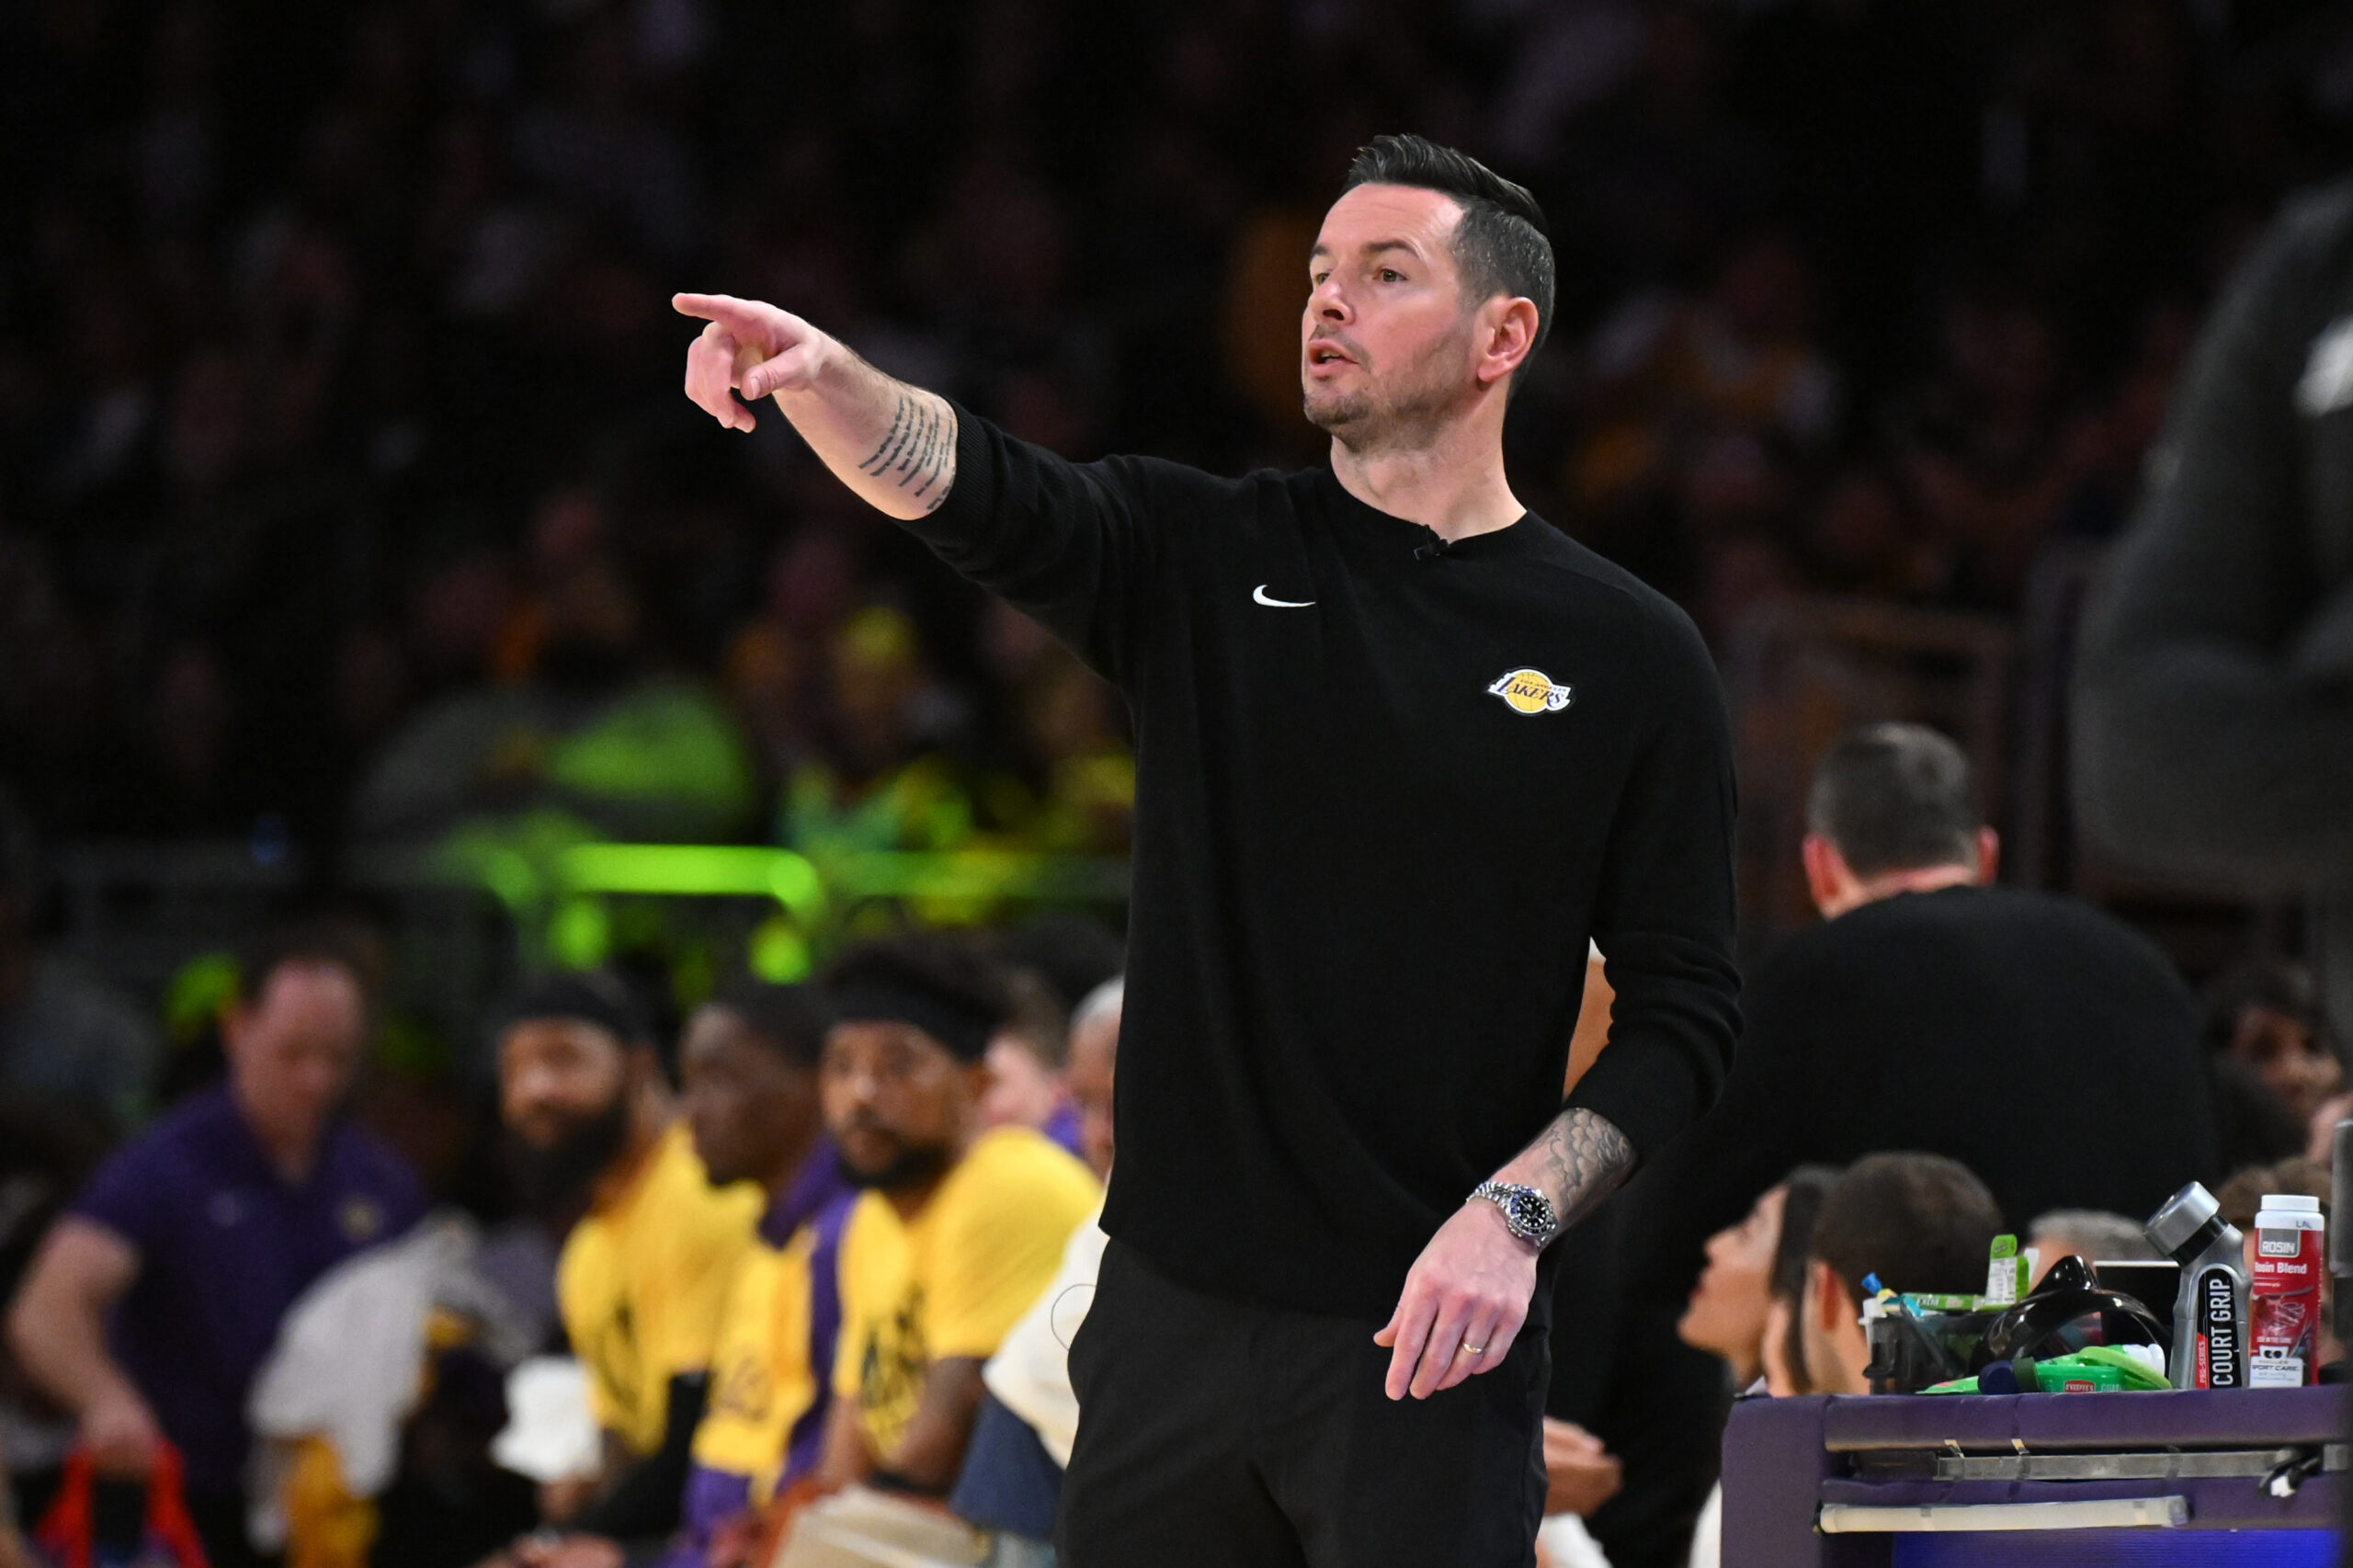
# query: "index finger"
[[736, 315]]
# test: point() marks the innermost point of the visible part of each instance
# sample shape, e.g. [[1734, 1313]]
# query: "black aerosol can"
[[2209, 1313]]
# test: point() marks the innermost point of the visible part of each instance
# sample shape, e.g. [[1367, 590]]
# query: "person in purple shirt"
[[155, 1301], [749, 1060]]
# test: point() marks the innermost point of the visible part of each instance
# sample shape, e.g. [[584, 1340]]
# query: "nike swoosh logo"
[[1259, 593]]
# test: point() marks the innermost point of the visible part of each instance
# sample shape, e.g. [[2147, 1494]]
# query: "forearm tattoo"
[[915, 449], [1584, 1158]]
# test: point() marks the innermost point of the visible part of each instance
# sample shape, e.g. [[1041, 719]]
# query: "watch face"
[[1527, 1211]]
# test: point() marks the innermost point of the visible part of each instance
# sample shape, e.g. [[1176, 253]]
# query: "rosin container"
[[2291, 1251], [2209, 1313]]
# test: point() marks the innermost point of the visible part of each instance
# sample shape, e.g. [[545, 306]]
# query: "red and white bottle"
[[2290, 1253]]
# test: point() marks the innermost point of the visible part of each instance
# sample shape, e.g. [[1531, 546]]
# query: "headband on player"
[[962, 1032]]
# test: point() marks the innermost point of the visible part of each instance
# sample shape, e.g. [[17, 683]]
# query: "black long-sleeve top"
[[1376, 822]]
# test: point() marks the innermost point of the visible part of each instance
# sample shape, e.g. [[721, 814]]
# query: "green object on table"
[[2096, 1369]]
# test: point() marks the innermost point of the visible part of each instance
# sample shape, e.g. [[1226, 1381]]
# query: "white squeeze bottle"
[[2290, 1253]]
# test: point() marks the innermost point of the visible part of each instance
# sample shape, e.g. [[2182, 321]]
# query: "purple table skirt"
[[1782, 1458]]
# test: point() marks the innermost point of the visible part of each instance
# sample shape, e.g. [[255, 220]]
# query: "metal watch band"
[[1526, 1212]]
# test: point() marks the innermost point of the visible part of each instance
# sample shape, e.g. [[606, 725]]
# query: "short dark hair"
[[791, 1020], [1923, 1223], [318, 943], [1894, 797], [2271, 985], [1503, 245]]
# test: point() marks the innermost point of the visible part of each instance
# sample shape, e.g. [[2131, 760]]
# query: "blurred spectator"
[[1985, 450], [2241, 1197], [1011, 1483], [773, 669], [2089, 1233], [1783, 1352], [2280, 1078], [1669, 372], [1089, 1068], [1742, 1312], [1026, 1061], [959, 1229], [1863, 539], [882, 780], [2213, 742], [155, 1301], [591, 728], [1915, 1223], [256, 338], [65, 1039], [598, 1146], [1726, 1315]]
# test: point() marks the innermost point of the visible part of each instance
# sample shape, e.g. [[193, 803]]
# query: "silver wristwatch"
[[1527, 1212]]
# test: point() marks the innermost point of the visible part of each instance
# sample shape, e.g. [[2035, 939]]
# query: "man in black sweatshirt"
[[1403, 748]]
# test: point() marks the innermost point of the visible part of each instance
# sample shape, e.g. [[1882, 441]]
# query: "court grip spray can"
[[2210, 1314], [2290, 1250]]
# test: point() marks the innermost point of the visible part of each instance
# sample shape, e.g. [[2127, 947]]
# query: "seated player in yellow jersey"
[[646, 1269], [959, 1228], [753, 1099], [749, 1059]]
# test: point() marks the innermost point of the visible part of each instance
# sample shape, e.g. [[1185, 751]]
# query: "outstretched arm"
[[1069, 542], [1466, 1297], [892, 444]]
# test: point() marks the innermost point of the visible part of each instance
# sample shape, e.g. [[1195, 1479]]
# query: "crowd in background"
[[340, 444]]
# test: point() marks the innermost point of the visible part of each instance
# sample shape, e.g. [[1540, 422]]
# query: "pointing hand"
[[748, 347]]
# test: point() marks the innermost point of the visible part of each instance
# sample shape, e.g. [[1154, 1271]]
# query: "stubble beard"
[[1404, 416]]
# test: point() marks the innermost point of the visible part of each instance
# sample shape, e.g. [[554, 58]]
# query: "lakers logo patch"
[[1531, 691]]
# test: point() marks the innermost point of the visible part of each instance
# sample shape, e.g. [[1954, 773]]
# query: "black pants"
[[1217, 1432]]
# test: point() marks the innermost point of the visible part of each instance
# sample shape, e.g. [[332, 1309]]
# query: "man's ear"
[[1989, 856], [1829, 879], [1509, 338]]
